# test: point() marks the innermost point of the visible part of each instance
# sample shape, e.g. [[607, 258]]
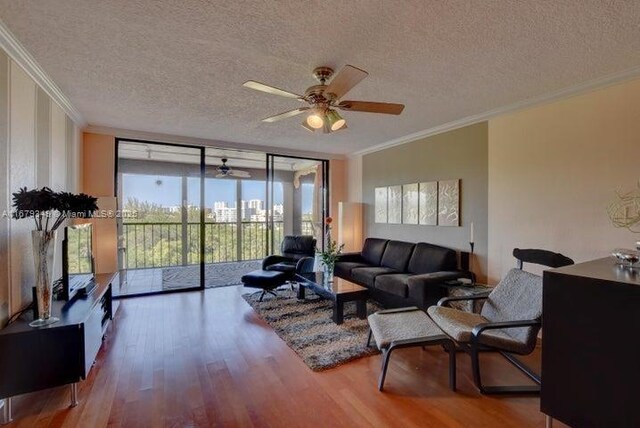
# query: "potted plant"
[[49, 210], [331, 253]]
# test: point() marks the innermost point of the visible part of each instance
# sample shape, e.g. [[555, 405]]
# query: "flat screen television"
[[77, 260]]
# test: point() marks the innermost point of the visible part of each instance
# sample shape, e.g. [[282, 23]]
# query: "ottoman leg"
[[262, 295], [386, 354]]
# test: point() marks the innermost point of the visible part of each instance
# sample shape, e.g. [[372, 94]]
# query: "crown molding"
[[24, 59], [571, 91], [168, 138]]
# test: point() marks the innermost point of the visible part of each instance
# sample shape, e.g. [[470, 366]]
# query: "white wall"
[[35, 149]]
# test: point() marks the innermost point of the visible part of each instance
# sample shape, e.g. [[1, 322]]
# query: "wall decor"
[[394, 203], [381, 204], [428, 203], [410, 203], [449, 203]]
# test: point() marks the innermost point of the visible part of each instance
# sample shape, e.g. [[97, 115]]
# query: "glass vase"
[[328, 273], [44, 250]]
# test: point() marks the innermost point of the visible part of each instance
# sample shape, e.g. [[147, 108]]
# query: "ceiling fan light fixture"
[[336, 121], [306, 126], [315, 119]]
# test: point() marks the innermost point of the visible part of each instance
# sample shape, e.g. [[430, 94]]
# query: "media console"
[[32, 359]]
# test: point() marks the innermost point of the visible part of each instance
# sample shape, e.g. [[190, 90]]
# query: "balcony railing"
[[150, 245]]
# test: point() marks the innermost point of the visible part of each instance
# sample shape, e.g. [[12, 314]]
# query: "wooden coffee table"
[[339, 291]]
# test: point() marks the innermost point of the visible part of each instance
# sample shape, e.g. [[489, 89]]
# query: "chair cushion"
[[343, 269], [282, 267], [395, 283], [405, 324], [264, 279], [367, 275], [428, 258], [373, 249], [397, 254], [517, 297], [459, 324], [297, 246]]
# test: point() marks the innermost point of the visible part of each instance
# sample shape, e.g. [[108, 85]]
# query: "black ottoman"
[[266, 280]]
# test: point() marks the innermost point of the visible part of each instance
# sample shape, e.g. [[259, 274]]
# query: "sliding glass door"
[[159, 190], [197, 217], [297, 198]]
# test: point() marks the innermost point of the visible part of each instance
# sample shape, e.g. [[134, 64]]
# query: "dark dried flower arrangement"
[[42, 204]]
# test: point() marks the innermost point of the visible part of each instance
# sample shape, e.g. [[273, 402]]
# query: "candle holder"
[[473, 276]]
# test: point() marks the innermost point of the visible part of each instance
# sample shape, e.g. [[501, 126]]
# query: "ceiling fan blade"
[[239, 174], [371, 107], [221, 175], [286, 114], [345, 80], [252, 84]]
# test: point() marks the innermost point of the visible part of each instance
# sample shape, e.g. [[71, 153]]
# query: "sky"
[[165, 191]]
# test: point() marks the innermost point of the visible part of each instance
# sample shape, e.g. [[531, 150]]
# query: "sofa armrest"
[[272, 260], [350, 257], [423, 290]]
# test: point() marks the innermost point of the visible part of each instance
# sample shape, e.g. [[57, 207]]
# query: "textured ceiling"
[[177, 67]]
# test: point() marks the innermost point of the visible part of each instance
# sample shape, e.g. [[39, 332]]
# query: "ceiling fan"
[[324, 99], [225, 170]]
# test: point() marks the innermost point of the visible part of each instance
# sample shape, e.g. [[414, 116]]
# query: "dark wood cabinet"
[[32, 359], [590, 350]]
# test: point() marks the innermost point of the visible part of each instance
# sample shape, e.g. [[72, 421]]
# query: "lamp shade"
[[336, 121], [315, 119]]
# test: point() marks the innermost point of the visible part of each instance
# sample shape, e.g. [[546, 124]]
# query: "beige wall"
[[553, 170], [354, 178], [98, 154], [462, 154], [36, 144], [337, 185]]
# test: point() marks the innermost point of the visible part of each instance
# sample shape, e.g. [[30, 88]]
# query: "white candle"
[[471, 233]]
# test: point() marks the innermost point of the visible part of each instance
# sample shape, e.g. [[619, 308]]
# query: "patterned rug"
[[307, 328], [215, 274]]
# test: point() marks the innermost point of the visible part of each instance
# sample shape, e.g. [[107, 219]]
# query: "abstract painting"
[[381, 205], [449, 203], [428, 203], [395, 204], [410, 203]]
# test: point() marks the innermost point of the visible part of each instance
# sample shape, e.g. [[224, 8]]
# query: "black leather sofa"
[[401, 273]]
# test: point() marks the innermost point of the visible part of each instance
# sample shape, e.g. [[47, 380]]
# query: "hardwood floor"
[[205, 359]]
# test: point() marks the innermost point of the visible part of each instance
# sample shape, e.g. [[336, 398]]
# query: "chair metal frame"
[[536, 256]]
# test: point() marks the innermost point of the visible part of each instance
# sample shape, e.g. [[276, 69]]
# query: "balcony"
[[165, 256]]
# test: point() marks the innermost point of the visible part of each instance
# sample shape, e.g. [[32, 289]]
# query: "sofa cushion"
[[373, 249], [396, 255], [395, 283], [427, 258], [343, 269], [367, 275]]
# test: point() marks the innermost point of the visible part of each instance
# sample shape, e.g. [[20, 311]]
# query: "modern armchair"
[[508, 323], [297, 255]]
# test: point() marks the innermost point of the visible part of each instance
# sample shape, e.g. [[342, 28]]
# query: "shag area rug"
[[307, 328], [215, 274]]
